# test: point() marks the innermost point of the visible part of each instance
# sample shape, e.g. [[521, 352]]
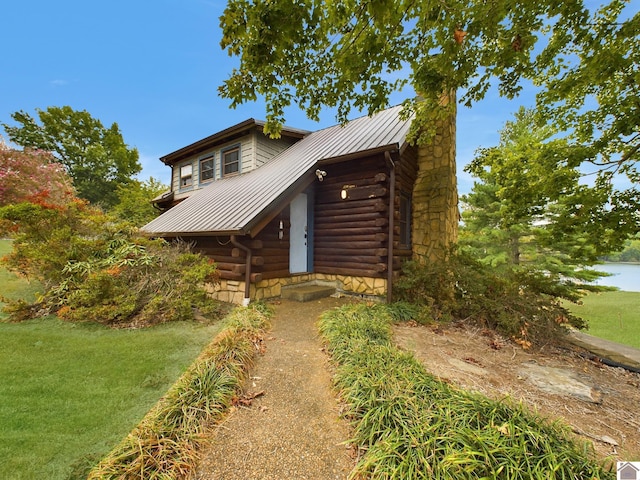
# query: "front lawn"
[[70, 392], [613, 316]]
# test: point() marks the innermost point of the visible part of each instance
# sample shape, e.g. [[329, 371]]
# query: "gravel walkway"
[[293, 430]]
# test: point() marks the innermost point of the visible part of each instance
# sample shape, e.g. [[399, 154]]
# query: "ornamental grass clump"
[[166, 442], [411, 425]]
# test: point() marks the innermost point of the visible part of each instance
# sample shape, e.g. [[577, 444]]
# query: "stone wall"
[[435, 195], [232, 291]]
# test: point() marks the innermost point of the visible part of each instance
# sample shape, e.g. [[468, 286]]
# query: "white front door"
[[298, 235]]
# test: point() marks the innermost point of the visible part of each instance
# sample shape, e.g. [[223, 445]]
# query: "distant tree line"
[[65, 146], [631, 252]]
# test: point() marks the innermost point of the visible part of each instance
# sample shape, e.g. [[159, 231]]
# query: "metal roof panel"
[[231, 204]]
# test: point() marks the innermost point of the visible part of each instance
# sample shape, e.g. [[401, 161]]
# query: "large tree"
[[531, 209], [96, 157], [356, 53]]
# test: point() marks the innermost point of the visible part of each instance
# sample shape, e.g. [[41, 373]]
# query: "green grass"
[[70, 392], [613, 316], [167, 441], [408, 424]]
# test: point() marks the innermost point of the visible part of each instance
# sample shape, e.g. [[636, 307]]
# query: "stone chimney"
[[435, 194]]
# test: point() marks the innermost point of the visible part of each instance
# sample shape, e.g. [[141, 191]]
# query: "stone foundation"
[[232, 291]]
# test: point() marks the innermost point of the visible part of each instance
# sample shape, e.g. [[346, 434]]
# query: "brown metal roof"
[[235, 205]]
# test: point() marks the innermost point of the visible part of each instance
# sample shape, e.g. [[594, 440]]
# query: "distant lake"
[[625, 276]]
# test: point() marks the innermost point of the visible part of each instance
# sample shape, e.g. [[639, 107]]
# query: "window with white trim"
[[206, 169], [230, 161], [186, 175]]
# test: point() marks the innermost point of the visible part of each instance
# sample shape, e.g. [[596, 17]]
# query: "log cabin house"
[[336, 206]]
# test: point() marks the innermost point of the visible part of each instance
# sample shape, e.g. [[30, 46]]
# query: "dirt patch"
[[481, 361]]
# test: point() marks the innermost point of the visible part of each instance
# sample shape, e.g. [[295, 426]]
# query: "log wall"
[[270, 253], [351, 233]]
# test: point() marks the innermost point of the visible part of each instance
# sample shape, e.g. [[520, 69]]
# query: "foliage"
[[356, 53], [630, 252], [96, 158], [591, 88], [411, 425], [47, 237], [530, 209], [134, 201], [32, 174], [165, 444], [14, 287], [339, 54], [96, 270], [70, 392], [521, 304]]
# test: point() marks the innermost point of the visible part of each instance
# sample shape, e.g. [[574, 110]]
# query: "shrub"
[[47, 237], [520, 304], [94, 269]]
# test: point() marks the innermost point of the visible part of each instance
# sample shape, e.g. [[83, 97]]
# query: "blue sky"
[[154, 68]]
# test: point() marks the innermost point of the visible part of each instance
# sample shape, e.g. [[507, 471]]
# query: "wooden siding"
[[350, 235], [247, 163], [267, 148]]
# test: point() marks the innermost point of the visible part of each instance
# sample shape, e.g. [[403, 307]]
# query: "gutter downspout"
[[392, 203], [247, 272]]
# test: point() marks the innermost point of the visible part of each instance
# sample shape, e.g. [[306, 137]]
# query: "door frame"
[[296, 230]]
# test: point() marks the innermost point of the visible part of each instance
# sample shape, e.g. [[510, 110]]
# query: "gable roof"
[[235, 205]]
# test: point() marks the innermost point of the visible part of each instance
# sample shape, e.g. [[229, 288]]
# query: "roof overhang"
[[243, 205], [394, 147], [226, 135]]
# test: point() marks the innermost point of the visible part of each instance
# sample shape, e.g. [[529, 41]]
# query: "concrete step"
[[307, 293]]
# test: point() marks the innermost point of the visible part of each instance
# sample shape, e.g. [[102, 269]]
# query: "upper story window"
[[186, 176], [231, 161], [206, 169]]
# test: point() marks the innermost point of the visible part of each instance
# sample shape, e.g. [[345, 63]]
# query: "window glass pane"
[[185, 175], [206, 169], [405, 220], [231, 161]]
